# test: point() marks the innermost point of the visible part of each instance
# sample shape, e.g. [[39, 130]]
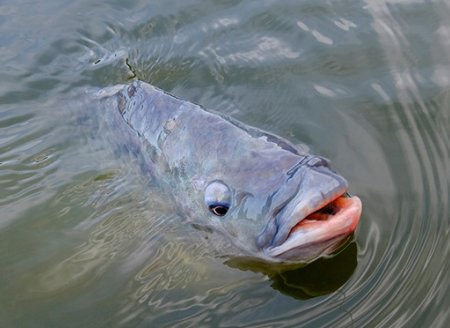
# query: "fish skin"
[[272, 182]]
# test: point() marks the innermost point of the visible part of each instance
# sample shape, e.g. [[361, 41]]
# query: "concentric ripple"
[[87, 238]]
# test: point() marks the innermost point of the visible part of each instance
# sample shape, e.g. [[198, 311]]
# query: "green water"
[[87, 241]]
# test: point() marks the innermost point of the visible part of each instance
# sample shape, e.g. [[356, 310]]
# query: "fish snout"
[[316, 186]]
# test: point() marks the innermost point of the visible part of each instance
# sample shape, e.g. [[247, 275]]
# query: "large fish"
[[273, 201]]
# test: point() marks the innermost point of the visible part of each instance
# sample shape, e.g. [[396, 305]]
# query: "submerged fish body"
[[272, 200]]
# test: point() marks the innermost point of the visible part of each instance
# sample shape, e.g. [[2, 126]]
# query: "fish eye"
[[219, 209], [218, 198]]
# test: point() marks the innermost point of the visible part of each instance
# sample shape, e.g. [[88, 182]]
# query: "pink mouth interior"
[[341, 216]]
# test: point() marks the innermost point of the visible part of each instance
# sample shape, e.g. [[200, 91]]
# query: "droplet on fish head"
[[218, 197]]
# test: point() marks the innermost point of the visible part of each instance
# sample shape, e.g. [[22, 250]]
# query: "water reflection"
[[364, 84], [318, 278]]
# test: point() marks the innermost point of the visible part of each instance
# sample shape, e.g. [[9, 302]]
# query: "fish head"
[[282, 208]]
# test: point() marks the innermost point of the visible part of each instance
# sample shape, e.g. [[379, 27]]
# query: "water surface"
[[87, 240]]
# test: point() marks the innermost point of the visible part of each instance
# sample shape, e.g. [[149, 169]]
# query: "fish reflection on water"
[[273, 201]]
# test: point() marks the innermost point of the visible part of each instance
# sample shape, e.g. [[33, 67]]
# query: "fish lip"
[[302, 205], [305, 234]]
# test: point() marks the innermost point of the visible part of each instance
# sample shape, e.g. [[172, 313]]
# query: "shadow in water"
[[318, 278]]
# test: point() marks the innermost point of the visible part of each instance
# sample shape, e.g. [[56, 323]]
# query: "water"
[[87, 241]]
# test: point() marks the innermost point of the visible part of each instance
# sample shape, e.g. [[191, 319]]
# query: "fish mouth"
[[321, 229]]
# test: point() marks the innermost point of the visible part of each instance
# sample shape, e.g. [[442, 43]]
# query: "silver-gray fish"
[[273, 200]]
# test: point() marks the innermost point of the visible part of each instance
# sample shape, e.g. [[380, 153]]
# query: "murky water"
[[87, 241]]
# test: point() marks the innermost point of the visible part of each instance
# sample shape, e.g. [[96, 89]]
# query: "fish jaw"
[[318, 230]]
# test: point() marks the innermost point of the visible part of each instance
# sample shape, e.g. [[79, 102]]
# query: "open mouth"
[[332, 221], [344, 209]]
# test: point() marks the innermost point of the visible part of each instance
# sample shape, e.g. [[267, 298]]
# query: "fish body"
[[272, 200]]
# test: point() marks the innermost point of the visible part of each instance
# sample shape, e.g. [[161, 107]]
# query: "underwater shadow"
[[318, 278]]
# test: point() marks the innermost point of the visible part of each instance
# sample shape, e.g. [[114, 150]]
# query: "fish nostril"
[[308, 161], [316, 161]]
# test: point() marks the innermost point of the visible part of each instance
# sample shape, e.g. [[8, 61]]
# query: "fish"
[[272, 200]]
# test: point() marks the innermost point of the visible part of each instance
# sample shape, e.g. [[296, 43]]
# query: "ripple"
[[417, 239], [89, 241]]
